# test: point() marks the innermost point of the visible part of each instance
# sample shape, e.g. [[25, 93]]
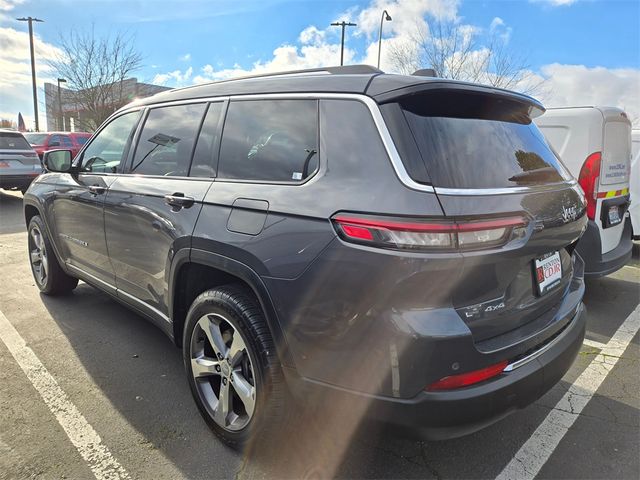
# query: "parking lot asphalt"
[[126, 381]]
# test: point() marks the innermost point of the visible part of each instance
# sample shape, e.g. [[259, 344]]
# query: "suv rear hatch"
[[16, 155], [485, 159]]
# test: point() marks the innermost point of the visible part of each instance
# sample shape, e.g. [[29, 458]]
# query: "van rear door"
[[615, 168]]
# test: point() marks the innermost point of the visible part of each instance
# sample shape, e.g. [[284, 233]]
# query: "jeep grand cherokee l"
[[401, 241]]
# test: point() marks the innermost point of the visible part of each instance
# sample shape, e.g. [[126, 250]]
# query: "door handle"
[[179, 200], [97, 190]]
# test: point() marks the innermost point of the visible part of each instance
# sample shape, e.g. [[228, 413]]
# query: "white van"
[[595, 145], [634, 184]]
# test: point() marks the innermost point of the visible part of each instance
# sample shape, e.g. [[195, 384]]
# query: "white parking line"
[[81, 434], [535, 452], [594, 344]]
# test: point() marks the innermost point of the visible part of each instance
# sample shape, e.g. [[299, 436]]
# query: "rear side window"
[[81, 140], [270, 140], [13, 141], [66, 141], [167, 139], [473, 141]]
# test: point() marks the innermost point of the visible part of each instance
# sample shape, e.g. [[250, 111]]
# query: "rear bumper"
[[17, 181], [599, 264], [451, 414]]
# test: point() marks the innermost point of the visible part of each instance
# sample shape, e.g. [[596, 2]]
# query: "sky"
[[585, 52]]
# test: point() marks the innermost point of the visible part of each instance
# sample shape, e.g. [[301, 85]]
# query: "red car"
[[43, 141]]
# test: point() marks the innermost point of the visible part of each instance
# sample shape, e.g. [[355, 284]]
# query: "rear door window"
[[270, 140], [472, 141], [167, 139]]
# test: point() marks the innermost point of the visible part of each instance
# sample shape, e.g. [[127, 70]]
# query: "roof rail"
[[340, 70], [425, 72]]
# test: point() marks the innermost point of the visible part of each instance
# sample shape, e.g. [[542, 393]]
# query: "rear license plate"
[[548, 271], [614, 215]]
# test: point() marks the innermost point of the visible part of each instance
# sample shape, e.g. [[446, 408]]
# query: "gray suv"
[[404, 243]]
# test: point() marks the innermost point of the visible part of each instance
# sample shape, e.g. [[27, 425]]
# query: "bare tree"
[[455, 51], [95, 69]]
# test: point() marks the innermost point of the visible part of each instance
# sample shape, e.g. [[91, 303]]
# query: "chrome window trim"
[[387, 140]]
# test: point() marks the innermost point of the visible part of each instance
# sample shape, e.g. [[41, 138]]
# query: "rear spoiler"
[[534, 107]]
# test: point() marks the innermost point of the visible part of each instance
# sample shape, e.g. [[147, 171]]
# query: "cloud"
[[578, 85], [176, 78], [316, 47], [15, 71], [185, 58]]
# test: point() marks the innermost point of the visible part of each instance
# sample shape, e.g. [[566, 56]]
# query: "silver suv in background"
[[19, 163]]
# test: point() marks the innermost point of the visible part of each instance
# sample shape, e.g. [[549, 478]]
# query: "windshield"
[[35, 138], [468, 142]]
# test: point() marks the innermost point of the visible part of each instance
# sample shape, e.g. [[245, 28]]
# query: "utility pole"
[[343, 24], [60, 116], [33, 66]]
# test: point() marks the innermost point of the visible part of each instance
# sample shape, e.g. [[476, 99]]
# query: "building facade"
[[70, 117]]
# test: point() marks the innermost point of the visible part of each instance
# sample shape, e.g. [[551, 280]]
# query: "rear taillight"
[[588, 180], [411, 234], [467, 379]]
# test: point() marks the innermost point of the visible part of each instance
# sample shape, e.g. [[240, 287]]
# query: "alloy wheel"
[[223, 372], [38, 255]]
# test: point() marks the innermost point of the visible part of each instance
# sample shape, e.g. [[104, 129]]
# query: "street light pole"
[[387, 17], [60, 116], [33, 66], [343, 24]]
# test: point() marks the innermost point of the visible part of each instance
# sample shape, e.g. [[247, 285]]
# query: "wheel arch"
[[31, 208], [194, 271]]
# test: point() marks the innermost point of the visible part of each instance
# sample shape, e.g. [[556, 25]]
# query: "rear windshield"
[[475, 141], [36, 138], [13, 141]]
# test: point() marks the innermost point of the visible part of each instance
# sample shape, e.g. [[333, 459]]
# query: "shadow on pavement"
[[11, 218], [129, 358]]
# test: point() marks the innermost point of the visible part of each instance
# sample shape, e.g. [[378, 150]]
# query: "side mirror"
[[57, 161], [54, 144]]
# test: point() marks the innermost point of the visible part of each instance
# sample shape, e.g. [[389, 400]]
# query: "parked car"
[[19, 163], [43, 141], [634, 184], [403, 244], [595, 145]]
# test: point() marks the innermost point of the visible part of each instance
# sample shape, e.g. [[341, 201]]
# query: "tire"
[[233, 310], [54, 281]]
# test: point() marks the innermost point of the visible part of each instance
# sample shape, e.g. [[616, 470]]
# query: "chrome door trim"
[[387, 140], [117, 291]]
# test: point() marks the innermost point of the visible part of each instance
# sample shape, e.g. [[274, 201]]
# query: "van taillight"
[[588, 180], [425, 235]]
